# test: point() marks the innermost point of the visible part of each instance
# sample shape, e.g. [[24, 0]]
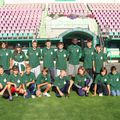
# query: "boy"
[[98, 60], [4, 87], [6, 58], [29, 82], [34, 55], [114, 77], [75, 54], [61, 58], [88, 54], [102, 83], [48, 56], [62, 84], [15, 82], [43, 82]]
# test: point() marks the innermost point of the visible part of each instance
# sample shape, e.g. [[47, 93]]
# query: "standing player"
[[88, 54], [5, 58], [34, 56], [98, 60], [61, 58], [19, 58], [43, 83], [48, 55], [75, 54]]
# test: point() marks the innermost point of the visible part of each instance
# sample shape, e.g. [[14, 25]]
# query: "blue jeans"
[[115, 92], [31, 90]]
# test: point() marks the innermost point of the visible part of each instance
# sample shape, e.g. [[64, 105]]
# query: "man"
[[43, 83], [88, 54], [75, 54], [62, 84], [48, 56], [34, 55]]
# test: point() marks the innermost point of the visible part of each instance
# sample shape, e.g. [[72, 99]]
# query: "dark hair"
[[97, 45], [5, 44], [113, 68], [103, 69], [89, 40], [60, 43], [45, 69], [15, 68], [47, 41], [1, 66]]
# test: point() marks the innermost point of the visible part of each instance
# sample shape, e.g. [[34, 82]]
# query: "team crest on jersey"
[[105, 79], [51, 53], [77, 50], [18, 81], [64, 82], [64, 55], [101, 57], [117, 79], [37, 54], [6, 54], [5, 80], [91, 53], [21, 56]]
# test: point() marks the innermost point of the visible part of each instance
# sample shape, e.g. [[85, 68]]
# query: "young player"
[[16, 83], [43, 83], [29, 82], [98, 60], [19, 58], [34, 56], [48, 55], [61, 58], [88, 54], [62, 84], [5, 57], [102, 83], [82, 82], [114, 77], [75, 54], [4, 87]]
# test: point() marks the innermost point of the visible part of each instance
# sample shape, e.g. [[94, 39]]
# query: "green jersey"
[[61, 59], [48, 56], [5, 56], [3, 79], [75, 54], [34, 56]]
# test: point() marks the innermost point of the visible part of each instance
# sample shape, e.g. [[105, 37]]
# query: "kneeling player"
[[43, 82], [62, 84], [16, 83], [29, 82], [82, 82], [102, 83], [4, 87]]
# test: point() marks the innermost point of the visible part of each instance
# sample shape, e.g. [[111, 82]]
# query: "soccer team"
[[21, 74]]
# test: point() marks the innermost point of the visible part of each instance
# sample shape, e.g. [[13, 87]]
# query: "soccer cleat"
[[33, 96], [100, 94], [46, 94]]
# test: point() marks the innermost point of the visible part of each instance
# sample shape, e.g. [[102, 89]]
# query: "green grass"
[[72, 108]]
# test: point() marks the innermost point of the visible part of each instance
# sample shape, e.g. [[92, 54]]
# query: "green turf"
[[72, 108]]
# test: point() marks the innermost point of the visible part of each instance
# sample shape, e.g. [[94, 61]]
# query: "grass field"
[[72, 108]]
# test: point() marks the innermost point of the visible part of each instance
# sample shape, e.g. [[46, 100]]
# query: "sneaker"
[[46, 94], [10, 98], [33, 96], [100, 94]]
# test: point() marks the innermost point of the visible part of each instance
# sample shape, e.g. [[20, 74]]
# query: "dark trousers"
[[90, 72], [5, 94], [102, 88], [31, 90], [79, 90], [52, 74], [63, 90]]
